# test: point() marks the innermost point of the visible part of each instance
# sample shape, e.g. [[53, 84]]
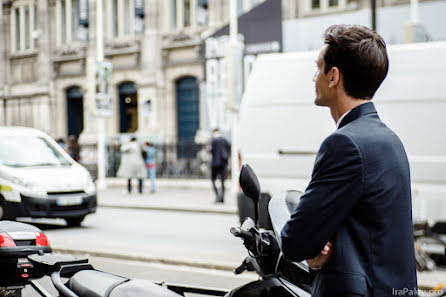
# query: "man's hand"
[[319, 261]]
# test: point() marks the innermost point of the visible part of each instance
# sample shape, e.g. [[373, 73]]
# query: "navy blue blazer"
[[220, 149], [359, 198]]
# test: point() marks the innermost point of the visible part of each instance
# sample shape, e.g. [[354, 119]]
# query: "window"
[[125, 17], [329, 5], [72, 21], [173, 14], [202, 12], [17, 29], [23, 23], [139, 16], [188, 13]]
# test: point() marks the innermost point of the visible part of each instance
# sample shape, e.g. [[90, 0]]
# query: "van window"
[[27, 151]]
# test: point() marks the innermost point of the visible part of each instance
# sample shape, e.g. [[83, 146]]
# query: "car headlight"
[[26, 185], [13, 179]]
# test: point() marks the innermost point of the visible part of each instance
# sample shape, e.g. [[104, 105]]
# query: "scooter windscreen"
[[280, 208]]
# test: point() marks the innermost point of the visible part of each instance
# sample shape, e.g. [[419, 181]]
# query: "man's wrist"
[[312, 268]]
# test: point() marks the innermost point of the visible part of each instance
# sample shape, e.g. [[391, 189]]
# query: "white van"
[[39, 179], [281, 129]]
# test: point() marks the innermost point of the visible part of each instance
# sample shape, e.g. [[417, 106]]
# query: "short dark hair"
[[360, 55]]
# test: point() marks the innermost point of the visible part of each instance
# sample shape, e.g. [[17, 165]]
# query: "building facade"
[[153, 45], [305, 21]]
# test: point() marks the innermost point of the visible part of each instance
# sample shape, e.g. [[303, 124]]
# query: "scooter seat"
[[141, 288], [93, 283]]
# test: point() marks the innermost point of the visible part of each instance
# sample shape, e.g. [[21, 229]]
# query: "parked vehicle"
[[39, 179], [26, 256], [430, 247], [281, 129]]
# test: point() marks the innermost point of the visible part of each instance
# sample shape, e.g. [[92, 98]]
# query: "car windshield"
[[28, 151]]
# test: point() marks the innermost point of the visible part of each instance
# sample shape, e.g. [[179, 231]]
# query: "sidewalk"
[[190, 195]]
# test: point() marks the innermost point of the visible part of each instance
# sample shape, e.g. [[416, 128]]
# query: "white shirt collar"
[[341, 118]]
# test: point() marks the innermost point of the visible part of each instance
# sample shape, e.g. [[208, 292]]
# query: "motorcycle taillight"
[[6, 241], [41, 239]]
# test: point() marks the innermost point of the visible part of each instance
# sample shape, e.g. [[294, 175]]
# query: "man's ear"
[[335, 77]]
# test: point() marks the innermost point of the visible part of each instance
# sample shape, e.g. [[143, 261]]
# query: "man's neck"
[[344, 105]]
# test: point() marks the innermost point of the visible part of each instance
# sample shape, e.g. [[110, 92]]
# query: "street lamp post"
[[100, 119], [234, 79]]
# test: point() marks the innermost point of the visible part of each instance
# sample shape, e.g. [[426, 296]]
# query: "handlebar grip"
[[240, 269], [237, 232]]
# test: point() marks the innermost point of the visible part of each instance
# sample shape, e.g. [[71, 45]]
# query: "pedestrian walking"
[[150, 164], [220, 150], [73, 148], [132, 164], [353, 224]]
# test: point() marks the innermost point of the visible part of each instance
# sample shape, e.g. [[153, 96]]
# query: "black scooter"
[[278, 276], [25, 256]]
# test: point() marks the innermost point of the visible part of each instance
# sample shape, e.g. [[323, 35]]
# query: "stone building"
[[153, 45], [304, 21], [155, 49]]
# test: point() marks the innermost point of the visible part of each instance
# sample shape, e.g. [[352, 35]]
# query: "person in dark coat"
[[73, 148], [353, 224], [220, 150]]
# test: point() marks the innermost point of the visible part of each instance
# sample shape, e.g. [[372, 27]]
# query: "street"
[[193, 238], [181, 236]]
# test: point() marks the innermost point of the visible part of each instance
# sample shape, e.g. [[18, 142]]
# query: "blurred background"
[[165, 75]]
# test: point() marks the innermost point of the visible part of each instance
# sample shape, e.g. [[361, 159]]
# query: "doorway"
[[128, 108], [75, 111], [187, 116]]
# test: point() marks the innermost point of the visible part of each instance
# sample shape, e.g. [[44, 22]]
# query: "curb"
[[147, 259], [169, 208]]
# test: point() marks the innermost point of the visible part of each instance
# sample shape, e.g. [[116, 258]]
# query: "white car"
[[39, 179]]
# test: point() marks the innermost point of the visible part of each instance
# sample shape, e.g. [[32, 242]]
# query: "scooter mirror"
[[251, 187], [249, 183]]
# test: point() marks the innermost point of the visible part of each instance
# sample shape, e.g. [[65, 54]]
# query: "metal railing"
[[173, 160]]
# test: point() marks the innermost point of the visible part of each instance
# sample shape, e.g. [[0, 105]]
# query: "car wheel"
[[74, 221]]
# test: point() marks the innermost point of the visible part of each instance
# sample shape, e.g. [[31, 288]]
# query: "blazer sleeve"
[[336, 185]]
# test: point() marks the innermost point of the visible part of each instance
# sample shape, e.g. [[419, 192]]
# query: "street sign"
[[99, 78]]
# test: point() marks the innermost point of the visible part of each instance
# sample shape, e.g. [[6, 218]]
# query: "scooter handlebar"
[[237, 232]]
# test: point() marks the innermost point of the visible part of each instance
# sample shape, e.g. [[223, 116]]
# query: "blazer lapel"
[[358, 112]]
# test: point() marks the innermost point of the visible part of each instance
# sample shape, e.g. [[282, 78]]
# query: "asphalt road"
[[193, 237]]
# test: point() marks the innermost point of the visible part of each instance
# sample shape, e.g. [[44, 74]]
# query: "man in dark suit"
[[220, 150], [354, 222]]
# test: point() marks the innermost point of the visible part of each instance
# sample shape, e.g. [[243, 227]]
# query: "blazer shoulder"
[[339, 141]]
